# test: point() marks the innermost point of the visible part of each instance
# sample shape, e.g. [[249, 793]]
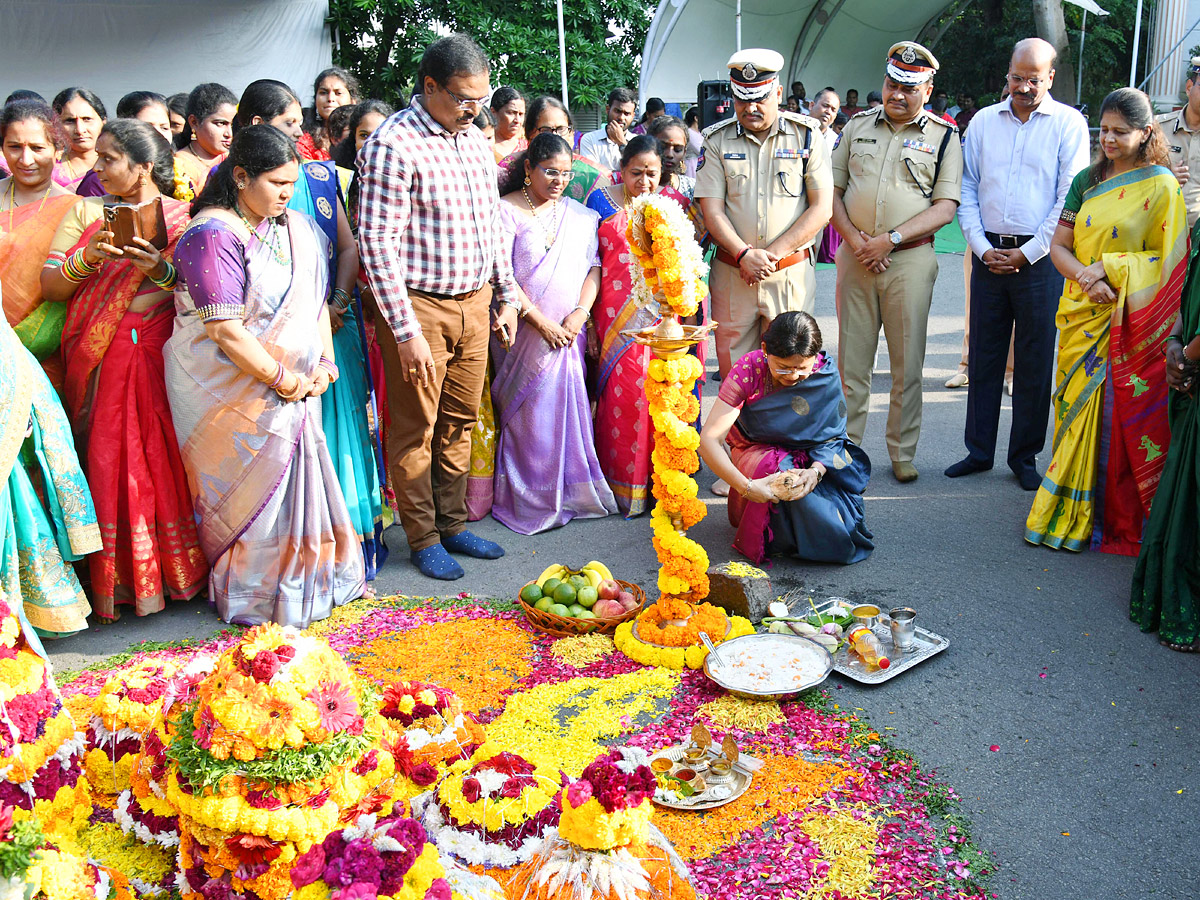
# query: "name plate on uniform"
[[864, 140], [735, 156], [791, 153], [914, 144], [1176, 149]]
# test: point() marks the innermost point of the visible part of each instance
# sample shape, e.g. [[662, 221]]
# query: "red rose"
[[265, 665], [286, 653], [424, 775], [512, 788], [471, 789]]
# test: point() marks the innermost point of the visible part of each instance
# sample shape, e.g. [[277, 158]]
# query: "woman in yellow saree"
[[1122, 246]]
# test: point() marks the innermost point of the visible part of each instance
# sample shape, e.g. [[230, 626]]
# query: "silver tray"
[[740, 783], [925, 644], [817, 651]]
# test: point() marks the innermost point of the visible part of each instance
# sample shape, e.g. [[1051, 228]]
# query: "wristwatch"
[[896, 239]]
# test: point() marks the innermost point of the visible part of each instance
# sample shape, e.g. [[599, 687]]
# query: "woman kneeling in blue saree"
[[797, 479]]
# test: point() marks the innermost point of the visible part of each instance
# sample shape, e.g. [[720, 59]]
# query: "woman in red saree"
[[31, 206], [623, 431], [119, 316]]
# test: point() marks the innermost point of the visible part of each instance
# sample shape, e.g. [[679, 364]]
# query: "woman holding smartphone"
[[119, 316]]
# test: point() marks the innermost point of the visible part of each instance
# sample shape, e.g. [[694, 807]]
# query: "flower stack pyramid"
[[606, 846], [122, 713], [383, 859], [429, 730], [668, 267], [143, 809], [281, 747], [493, 810], [41, 752]]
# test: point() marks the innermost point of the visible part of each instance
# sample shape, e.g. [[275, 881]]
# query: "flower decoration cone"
[[668, 268], [281, 747], [606, 846], [429, 730], [41, 751], [124, 710], [384, 859], [491, 811]]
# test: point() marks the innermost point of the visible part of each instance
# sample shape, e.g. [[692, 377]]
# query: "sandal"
[[1193, 647]]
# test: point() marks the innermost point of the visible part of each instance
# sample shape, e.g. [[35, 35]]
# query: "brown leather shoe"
[[904, 471]]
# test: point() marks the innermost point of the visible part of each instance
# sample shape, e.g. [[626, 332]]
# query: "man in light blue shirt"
[[1019, 158]]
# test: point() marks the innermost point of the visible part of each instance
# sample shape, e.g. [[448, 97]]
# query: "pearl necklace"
[[548, 236]]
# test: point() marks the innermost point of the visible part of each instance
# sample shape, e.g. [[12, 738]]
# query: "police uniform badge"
[[700, 160]]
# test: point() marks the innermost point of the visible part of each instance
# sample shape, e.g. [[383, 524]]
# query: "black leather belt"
[[1007, 241]]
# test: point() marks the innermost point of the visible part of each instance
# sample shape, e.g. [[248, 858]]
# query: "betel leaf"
[[286, 766]]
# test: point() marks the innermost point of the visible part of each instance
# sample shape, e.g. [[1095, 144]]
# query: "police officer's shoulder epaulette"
[[800, 119], [938, 120], [717, 126], [863, 113], [1169, 117]]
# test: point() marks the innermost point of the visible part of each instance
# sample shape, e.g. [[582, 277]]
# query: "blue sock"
[[472, 545], [435, 562]]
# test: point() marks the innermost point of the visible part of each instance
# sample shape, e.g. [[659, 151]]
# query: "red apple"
[[607, 609], [627, 601], [609, 590]]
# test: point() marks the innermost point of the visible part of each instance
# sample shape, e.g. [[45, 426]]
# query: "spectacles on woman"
[[467, 103], [555, 174], [560, 130]]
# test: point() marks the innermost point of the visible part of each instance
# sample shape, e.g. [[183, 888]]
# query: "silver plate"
[[764, 640], [740, 783], [925, 644]]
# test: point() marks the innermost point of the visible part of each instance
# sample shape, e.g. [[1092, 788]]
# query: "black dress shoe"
[[1029, 479], [967, 466]]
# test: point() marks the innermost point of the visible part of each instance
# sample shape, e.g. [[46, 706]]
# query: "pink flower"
[[357, 891], [579, 793], [336, 705], [424, 775], [439, 890], [471, 789]]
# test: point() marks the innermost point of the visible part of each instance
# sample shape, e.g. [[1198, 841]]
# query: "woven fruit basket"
[[564, 626]]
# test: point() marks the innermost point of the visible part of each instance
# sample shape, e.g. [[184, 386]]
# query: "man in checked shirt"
[[429, 238]]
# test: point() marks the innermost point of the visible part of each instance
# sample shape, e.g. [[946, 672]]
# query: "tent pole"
[[1137, 40], [562, 54], [1079, 71], [738, 20]]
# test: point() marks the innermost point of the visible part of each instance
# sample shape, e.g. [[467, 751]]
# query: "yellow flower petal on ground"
[[435, 653], [584, 649], [736, 712], [561, 725]]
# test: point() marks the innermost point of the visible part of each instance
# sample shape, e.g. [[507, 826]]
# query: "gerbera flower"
[[336, 705], [277, 721]]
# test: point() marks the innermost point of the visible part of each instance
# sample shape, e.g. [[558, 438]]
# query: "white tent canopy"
[[835, 42], [113, 47]]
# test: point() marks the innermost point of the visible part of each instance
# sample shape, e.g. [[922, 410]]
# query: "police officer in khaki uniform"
[[897, 173], [1182, 130], [765, 185]]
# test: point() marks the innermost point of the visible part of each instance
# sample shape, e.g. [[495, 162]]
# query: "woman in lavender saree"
[[249, 359], [797, 479], [547, 472]]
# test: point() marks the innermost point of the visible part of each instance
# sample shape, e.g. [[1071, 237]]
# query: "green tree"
[[975, 40], [381, 41]]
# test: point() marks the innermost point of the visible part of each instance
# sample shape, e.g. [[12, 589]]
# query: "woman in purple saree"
[[547, 472], [249, 358], [781, 409]]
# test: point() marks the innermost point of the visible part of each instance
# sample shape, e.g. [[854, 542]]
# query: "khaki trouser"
[[429, 441], [899, 300], [743, 312]]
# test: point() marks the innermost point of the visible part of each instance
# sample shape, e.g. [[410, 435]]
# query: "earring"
[[527, 181], [241, 186]]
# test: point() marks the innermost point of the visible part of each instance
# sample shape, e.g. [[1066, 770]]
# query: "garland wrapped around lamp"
[[668, 270]]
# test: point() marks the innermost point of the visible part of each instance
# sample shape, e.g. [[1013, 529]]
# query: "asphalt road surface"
[[1094, 791]]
